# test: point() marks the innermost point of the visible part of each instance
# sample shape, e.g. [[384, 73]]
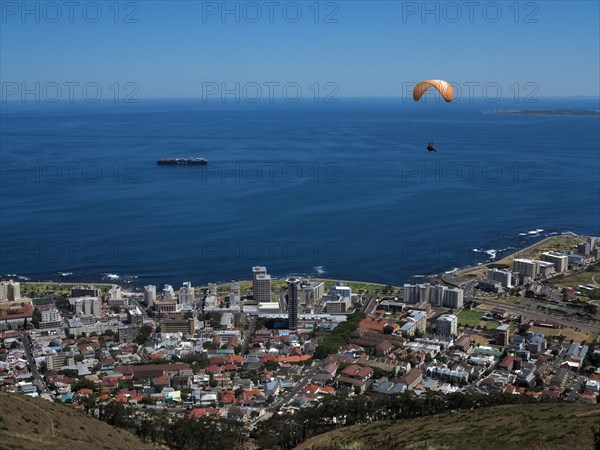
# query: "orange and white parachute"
[[443, 87]]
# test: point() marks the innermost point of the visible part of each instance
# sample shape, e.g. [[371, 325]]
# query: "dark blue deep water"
[[343, 190]]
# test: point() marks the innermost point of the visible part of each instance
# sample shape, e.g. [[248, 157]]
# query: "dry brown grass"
[[525, 427], [29, 423]]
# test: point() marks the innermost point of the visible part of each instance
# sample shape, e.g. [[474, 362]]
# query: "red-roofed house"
[[412, 378], [510, 389], [235, 359], [230, 368], [356, 376], [589, 396], [252, 397], [311, 389], [327, 390], [213, 369], [85, 392], [197, 413], [228, 396], [357, 372], [162, 381], [510, 363]]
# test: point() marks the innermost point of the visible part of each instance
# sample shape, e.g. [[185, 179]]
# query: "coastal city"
[[526, 325]]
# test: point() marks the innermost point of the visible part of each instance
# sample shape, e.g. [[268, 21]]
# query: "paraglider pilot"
[[445, 90]]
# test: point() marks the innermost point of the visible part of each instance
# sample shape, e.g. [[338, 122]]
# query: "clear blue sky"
[[370, 51]]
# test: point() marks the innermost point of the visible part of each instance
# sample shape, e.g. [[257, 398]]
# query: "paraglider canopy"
[[443, 87]]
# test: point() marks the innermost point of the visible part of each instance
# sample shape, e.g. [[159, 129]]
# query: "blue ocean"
[[343, 190]]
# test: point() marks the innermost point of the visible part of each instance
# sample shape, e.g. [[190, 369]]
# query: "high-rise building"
[[50, 317], [417, 322], [503, 335], [417, 293], [292, 302], [339, 306], [503, 276], [164, 307], [14, 291], [85, 306], [186, 294], [446, 325], [262, 288], [584, 248], [10, 291], [424, 291], [150, 294], [212, 289], [94, 306], [256, 271], [546, 268], [168, 292], [560, 261], [135, 316], [115, 292], [340, 290], [177, 324], [85, 291], [453, 298], [411, 293], [311, 293], [236, 291], [436, 295], [526, 267]]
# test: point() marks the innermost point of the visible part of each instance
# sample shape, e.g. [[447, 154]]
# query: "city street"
[[37, 378], [298, 387]]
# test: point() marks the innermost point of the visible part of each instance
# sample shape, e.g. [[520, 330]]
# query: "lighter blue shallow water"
[[344, 190]]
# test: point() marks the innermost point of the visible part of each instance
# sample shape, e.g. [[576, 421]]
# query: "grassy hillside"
[[537, 426], [29, 423]]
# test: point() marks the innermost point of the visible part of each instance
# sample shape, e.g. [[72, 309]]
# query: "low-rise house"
[[322, 379], [390, 388], [560, 378], [536, 343], [553, 392], [526, 377], [510, 363], [238, 413], [592, 384], [444, 373], [209, 399], [162, 380], [155, 370], [180, 381], [227, 396], [355, 376], [357, 372], [589, 396], [384, 348], [412, 378], [253, 397], [271, 388], [197, 413]]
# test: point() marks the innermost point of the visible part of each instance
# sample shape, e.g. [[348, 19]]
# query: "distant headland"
[[547, 112]]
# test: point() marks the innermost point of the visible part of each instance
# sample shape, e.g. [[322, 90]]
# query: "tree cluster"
[[287, 431], [143, 334], [178, 433], [338, 337]]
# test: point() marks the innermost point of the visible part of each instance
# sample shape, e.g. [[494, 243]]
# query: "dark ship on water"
[[182, 162]]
